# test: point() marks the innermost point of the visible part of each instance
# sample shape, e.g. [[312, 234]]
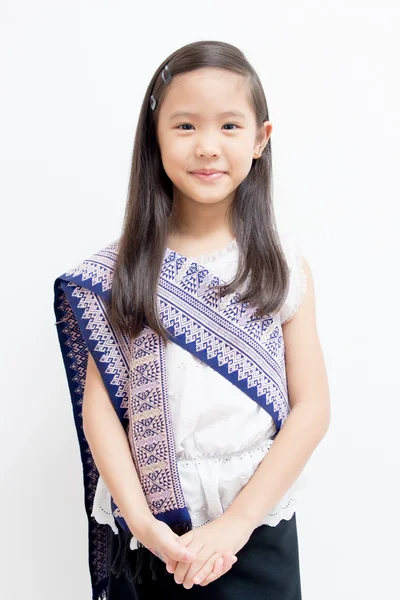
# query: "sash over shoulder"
[[224, 332]]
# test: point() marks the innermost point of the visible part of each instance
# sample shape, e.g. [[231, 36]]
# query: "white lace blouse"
[[221, 434]]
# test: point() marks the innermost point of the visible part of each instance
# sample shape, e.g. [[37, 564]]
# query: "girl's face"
[[207, 136]]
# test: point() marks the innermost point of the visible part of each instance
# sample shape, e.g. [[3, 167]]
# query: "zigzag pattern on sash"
[[196, 281], [98, 269], [106, 343], [76, 369], [150, 430], [215, 323]]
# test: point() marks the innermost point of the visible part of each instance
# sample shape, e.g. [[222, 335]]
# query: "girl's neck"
[[195, 229], [190, 243]]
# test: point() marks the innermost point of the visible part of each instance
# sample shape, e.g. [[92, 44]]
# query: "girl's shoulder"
[[298, 280]]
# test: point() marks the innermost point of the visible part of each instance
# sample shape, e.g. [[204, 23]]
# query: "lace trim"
[[281, 509], [105, 517], [229, 455]]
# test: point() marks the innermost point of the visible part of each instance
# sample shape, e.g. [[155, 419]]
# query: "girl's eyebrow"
[[228, 113]]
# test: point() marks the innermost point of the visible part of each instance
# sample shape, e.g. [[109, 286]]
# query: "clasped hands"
[[203, 554]]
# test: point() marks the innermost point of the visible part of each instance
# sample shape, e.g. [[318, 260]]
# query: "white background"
[[73, 75]]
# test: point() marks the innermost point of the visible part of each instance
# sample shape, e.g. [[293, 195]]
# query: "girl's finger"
[[181, 571], [229, 559], [207, 568], [171, 565], [227, 565], [218, 568]]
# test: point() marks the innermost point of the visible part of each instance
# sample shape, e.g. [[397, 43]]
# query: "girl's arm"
[[111, 452], [306, 424]]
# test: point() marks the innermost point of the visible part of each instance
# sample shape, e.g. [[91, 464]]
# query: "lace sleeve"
[[298, 280]]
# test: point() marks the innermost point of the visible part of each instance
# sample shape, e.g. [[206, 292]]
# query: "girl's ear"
[[264, 135]]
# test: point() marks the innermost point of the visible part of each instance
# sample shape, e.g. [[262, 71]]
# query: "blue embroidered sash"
[[223, 332]]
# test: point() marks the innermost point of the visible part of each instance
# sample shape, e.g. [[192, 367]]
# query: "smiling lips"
[[208, 174]]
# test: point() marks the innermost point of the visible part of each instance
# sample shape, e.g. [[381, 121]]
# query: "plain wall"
[[73, 75]]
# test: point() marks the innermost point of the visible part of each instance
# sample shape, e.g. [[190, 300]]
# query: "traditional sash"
[[223, 332]]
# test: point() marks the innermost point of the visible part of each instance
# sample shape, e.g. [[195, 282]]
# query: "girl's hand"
[[159, 538], [214, 568], [222, 538]]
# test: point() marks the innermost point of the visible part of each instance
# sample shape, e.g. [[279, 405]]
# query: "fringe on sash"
[[137, 565]]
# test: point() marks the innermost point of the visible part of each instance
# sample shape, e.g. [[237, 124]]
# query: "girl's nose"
[[207, 150]]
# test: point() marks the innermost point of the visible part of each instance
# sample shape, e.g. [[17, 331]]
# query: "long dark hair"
[[144, 236]]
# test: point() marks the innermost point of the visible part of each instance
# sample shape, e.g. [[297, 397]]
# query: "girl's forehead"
[[205, 80], [211, 91]]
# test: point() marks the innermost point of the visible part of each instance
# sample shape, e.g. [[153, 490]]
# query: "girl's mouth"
[[209, 177]]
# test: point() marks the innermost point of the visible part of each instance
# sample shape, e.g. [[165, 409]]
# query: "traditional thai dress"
[[200, 414]]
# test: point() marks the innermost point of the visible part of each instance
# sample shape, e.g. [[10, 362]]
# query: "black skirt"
[[267, 569]]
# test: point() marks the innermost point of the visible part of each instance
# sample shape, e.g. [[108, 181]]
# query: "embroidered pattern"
[[211, 327], [75, 356], [113, 348], [98, 269], [151, 434]]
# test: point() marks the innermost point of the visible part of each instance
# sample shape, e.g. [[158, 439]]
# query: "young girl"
[[190, 345]]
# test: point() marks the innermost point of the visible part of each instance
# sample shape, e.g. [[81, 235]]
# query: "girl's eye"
[[231, 124], [184, 124]]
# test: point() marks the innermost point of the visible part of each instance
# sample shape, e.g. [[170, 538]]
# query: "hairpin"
[[166, 77]]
